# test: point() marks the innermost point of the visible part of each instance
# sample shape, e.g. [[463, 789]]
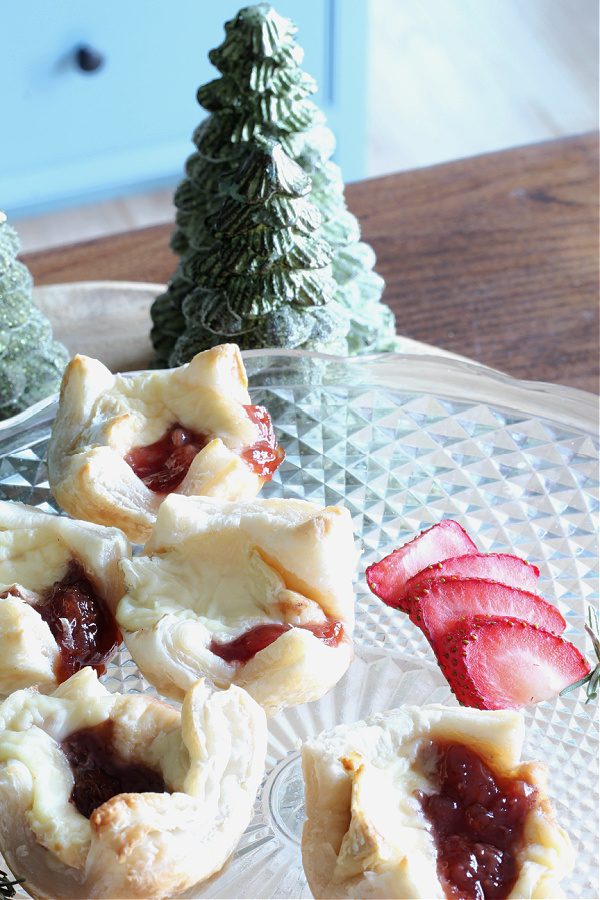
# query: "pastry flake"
[[196, 772], [257, 594], [120, 444], [379, 821], [59, 586]]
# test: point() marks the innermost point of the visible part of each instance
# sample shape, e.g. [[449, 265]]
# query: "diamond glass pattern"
[[405, 441]]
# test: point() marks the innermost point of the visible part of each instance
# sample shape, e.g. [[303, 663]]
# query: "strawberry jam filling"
[[163, 465], [477, 821], [81, 623], [99, 773], [264, 456], [247, 645]]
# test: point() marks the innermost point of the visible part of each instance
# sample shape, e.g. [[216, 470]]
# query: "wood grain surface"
[[493, 257]]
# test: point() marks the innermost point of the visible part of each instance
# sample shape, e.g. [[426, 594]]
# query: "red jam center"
[[163, 465], [81, 623], [477, 822], [264, 456], [247, 645], [100, 774]]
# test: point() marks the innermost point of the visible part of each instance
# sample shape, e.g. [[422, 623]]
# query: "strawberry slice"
[[502, 567], [499, 662], [442, 604], [387, 578]]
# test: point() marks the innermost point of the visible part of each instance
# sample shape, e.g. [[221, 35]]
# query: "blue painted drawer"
[[69, 136]]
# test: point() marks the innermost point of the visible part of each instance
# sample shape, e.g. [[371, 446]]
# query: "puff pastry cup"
[[103, 418], [366, 834], [210, 756], [218, 577], [37, 550]]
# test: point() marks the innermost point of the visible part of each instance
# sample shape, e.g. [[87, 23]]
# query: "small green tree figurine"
[[265, 279], [263, 91], [31, 363]]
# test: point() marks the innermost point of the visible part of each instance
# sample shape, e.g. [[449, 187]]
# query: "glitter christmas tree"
[[31, 363], [265, 278], [262, 91]]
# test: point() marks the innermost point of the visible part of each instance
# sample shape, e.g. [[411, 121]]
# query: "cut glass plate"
[[404, 441]]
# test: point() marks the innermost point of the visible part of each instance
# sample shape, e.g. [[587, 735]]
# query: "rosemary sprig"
[[7, 885], [592, 679]]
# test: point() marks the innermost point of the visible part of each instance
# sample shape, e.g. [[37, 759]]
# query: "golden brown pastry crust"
[[101, 417], [214, 570], [365, 833], [35, 551], [150, 845]]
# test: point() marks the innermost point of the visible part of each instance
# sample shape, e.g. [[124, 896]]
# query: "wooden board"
[[495, 258]]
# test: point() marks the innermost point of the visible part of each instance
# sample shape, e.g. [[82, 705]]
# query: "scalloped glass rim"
[[420, 372]]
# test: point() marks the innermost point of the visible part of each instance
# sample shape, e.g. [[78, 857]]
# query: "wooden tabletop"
[[493, 257]]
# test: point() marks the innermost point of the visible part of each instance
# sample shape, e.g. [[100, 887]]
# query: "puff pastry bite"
[[257, 594], [109, 795], [59, 585], [120, 444], [430, 802]]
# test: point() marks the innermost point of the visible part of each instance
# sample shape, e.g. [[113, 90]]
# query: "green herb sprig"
[[7, 885], [592, 679]]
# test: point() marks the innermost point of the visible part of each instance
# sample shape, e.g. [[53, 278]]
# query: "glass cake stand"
[[404, 441]]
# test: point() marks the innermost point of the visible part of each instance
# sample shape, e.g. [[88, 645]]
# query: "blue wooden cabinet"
[[71, 136]]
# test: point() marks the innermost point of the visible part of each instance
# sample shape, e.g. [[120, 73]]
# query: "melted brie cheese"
[[366, 834], [35, 551], [213, 570], [211, 756], [32, 557], [198, 577], [101, 417]]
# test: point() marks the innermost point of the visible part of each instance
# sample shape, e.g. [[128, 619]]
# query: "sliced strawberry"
[[499, 662], [500, 567], [388, 577], [442, 604]]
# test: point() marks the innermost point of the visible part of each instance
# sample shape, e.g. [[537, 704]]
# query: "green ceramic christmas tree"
[[31, 363], [264, 280], [263, 91]]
